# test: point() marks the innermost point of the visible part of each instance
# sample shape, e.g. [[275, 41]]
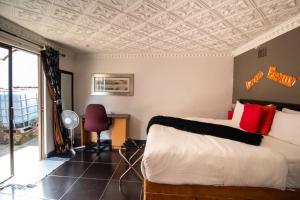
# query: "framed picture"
[[112, 84]]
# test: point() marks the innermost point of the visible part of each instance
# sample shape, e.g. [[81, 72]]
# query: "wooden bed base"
[[157, 191]]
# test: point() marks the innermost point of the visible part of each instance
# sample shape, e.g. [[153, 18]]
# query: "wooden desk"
[[119, 130]]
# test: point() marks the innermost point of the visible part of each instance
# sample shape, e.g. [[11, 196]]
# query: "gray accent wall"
[[282, 52]]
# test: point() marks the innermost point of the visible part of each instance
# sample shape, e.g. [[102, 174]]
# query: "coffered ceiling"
[[135, 26]]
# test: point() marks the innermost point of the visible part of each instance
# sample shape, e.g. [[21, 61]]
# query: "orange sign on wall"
[[284, 79], [254, 80]]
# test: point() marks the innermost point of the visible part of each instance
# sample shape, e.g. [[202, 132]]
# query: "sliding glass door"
[[20, 128], [6, 127]]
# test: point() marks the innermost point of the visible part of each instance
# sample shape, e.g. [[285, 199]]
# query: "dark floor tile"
[[51, 187], [85, 156], [100, 171], [73, 169], [90, 189], [109, 157], [127, 191], [130, 176]]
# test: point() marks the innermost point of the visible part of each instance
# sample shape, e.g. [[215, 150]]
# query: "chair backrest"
[[95, 118]]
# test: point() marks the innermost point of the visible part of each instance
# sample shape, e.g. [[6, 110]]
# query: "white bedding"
[[175, 157], [291, 153]]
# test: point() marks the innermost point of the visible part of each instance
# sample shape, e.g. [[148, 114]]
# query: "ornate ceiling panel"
[[145, 26]]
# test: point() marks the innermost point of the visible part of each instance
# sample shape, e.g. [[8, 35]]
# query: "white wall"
[[176, 86], [66, 63]]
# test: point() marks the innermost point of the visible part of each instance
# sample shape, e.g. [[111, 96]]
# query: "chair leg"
[[98, 143]]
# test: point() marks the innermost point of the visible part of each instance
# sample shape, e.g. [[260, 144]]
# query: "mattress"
[[175, 157], [291, 153]]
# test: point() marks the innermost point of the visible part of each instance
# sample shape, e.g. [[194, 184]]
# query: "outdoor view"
[[25, 104]]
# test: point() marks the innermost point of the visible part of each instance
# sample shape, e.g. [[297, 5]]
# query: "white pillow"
[[286, 110], [286, 127], [238, 112]]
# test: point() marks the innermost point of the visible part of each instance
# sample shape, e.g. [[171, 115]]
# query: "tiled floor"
[[87, 176]]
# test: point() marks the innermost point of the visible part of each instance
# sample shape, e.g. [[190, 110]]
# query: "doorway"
[[19, 111]]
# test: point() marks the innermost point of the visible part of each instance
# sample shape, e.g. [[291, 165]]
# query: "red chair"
[[96, 120]]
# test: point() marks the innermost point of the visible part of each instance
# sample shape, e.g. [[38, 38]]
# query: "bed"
[[178, 170]]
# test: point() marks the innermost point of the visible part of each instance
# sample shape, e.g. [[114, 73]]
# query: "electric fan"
[[70, 120]]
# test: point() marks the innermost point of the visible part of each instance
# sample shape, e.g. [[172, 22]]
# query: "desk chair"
[[96, 121]]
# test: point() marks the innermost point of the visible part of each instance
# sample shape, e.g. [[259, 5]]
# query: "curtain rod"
[[39, 45]]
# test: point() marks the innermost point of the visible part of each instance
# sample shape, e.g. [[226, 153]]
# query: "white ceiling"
[[131, 26]]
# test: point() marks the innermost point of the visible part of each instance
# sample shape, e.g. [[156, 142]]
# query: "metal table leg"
[[131, 165]]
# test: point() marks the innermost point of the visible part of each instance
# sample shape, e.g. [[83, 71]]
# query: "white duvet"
[[176, 157]]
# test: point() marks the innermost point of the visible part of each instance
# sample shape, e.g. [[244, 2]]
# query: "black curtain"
[[50, 61]]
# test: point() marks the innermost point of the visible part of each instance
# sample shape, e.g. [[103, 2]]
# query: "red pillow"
[[250, 120], [266, 120]]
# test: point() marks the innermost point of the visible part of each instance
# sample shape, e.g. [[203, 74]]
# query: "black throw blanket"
[[204, 128]]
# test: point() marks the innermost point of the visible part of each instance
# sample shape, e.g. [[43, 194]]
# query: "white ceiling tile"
[[144, 10], [78, 5], [232, 7], [7, 2], [231, 32], [236, 40], [252, 26], [51, 31], [91, 22], [104, 36], [175, 48], [63, 13], [6, 10], [146, 29], [38, 6], [162, 45], [163, 20], [194, 34], [26, 15], [103, 12], [165, 4], [119, 4], [114, 30], [163, 35], [213, 3], [203, 19], [148, 40], [282, 16], [133, 36], [189, 45], [58, 24], [153, 49], [80, 30], [278, 6], [149, 25], [259, 3], [188, 8], [216, 27], [207, 39], [255, 32], [246, 17], [138, 45], [180, 28], [218, 45], [97, 43], [176, 40], [121, 41], [127, 21]]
